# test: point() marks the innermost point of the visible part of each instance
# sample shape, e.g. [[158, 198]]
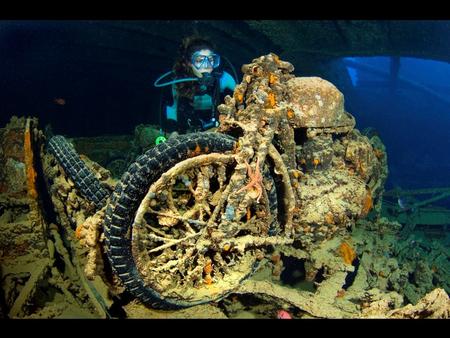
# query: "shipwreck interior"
[[92, 81]]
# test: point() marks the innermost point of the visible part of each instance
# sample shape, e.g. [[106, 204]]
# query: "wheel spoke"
[[184, 218], [184, 245], [169, 242]]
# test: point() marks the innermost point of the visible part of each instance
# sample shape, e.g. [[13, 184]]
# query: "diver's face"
[[202, 62]]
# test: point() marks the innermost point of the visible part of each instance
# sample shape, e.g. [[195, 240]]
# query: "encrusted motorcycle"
[[192, 217]]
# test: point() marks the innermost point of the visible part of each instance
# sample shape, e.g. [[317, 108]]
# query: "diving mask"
[[201, 60]]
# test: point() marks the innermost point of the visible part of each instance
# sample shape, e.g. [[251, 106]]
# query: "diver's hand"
[[172, 135], [211, 130]]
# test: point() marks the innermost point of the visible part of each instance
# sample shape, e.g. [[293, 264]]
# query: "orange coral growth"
[[271, 100], [208, 280], [208, 268], [78, 231], [273, 78], [290, 114], [197, 151], [239, 97], [367, 203], [297, 173], [31, 173], [347, 253], [329, 218]]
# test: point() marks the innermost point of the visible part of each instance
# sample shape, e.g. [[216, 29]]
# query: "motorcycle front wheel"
[[172, 235]]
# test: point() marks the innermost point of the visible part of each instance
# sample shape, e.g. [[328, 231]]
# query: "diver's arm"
[[171, 113], [178, 115], [185, 114], [227, 82], [170, 124]]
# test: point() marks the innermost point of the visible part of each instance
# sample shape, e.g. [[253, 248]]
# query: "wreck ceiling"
[[111, 60], [115, 43]]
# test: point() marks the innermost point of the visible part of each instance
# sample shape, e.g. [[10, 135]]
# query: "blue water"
[[411, 113]]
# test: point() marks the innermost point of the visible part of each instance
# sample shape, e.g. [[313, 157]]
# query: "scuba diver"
[[198, 86]]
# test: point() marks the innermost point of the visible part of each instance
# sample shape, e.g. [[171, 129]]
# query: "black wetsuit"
[[188, 117]]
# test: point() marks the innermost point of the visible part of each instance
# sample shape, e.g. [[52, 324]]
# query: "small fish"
[[283, 314], [405, 204], [401, 203], [59, 101]]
